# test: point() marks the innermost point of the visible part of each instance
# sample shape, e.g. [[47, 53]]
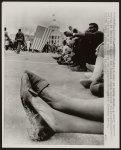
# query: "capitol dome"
[[56, 35], [54, 25]]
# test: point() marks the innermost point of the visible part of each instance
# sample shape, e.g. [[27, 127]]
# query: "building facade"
[[56, 36]]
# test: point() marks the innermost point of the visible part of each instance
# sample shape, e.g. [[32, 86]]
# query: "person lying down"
[[50, 112]]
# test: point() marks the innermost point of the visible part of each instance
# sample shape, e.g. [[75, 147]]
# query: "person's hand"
[[68, 34]]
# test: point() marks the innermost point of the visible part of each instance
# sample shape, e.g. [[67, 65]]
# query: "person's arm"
[[99, 64], [78, 35], [68, 34]]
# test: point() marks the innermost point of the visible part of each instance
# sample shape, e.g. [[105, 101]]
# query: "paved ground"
[[64, 80]]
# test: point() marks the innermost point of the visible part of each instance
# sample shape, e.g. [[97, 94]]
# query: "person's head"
[[93, 27], [75, 31], [5, 29], [19, 30], [70, 28], [64, 42]]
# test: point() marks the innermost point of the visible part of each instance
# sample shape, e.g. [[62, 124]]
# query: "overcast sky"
[[30, 14]]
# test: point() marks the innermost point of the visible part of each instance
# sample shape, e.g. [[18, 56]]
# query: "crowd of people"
[[50, 112], [18, 44], [50, 48], [84, 52], [79, 48], [80, 51]]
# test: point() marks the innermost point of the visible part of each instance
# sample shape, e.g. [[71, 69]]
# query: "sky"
[[27, 15]]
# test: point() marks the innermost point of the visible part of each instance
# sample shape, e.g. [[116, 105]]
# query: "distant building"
[[50, 35], [56, 36]]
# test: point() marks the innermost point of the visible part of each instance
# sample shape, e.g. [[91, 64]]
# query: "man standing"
[[6, 39], [20, 40]]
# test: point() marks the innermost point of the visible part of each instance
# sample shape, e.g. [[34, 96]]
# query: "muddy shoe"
[[37, 83], [38, 128]]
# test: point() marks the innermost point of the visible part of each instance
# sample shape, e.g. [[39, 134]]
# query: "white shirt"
[[64, 48]]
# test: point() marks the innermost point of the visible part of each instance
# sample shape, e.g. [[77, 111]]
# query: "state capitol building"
[[56, 36]]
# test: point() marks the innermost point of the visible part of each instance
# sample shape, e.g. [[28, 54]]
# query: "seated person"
[[50, 112], [79, 58], [66, 50], [91, 67], [58, 53], [87, 45], [97, 75], [70, 29]]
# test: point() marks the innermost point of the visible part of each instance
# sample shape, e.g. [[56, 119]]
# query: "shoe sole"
[[37, 132]]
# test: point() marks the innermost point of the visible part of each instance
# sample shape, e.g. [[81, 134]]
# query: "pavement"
[[61, 77]]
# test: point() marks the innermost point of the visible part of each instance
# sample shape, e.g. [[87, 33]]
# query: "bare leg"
[[97, 89], [45, 121], [98, 69], [96, 73], [91, 109], [62, 122]]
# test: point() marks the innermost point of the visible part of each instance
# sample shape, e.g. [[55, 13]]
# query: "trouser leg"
[[18, 47]]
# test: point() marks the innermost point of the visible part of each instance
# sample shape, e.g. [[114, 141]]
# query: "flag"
[[40, 38]]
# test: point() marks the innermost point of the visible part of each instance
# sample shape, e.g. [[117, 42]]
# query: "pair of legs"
[[96, 87], [50, 112], [19, 47]]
